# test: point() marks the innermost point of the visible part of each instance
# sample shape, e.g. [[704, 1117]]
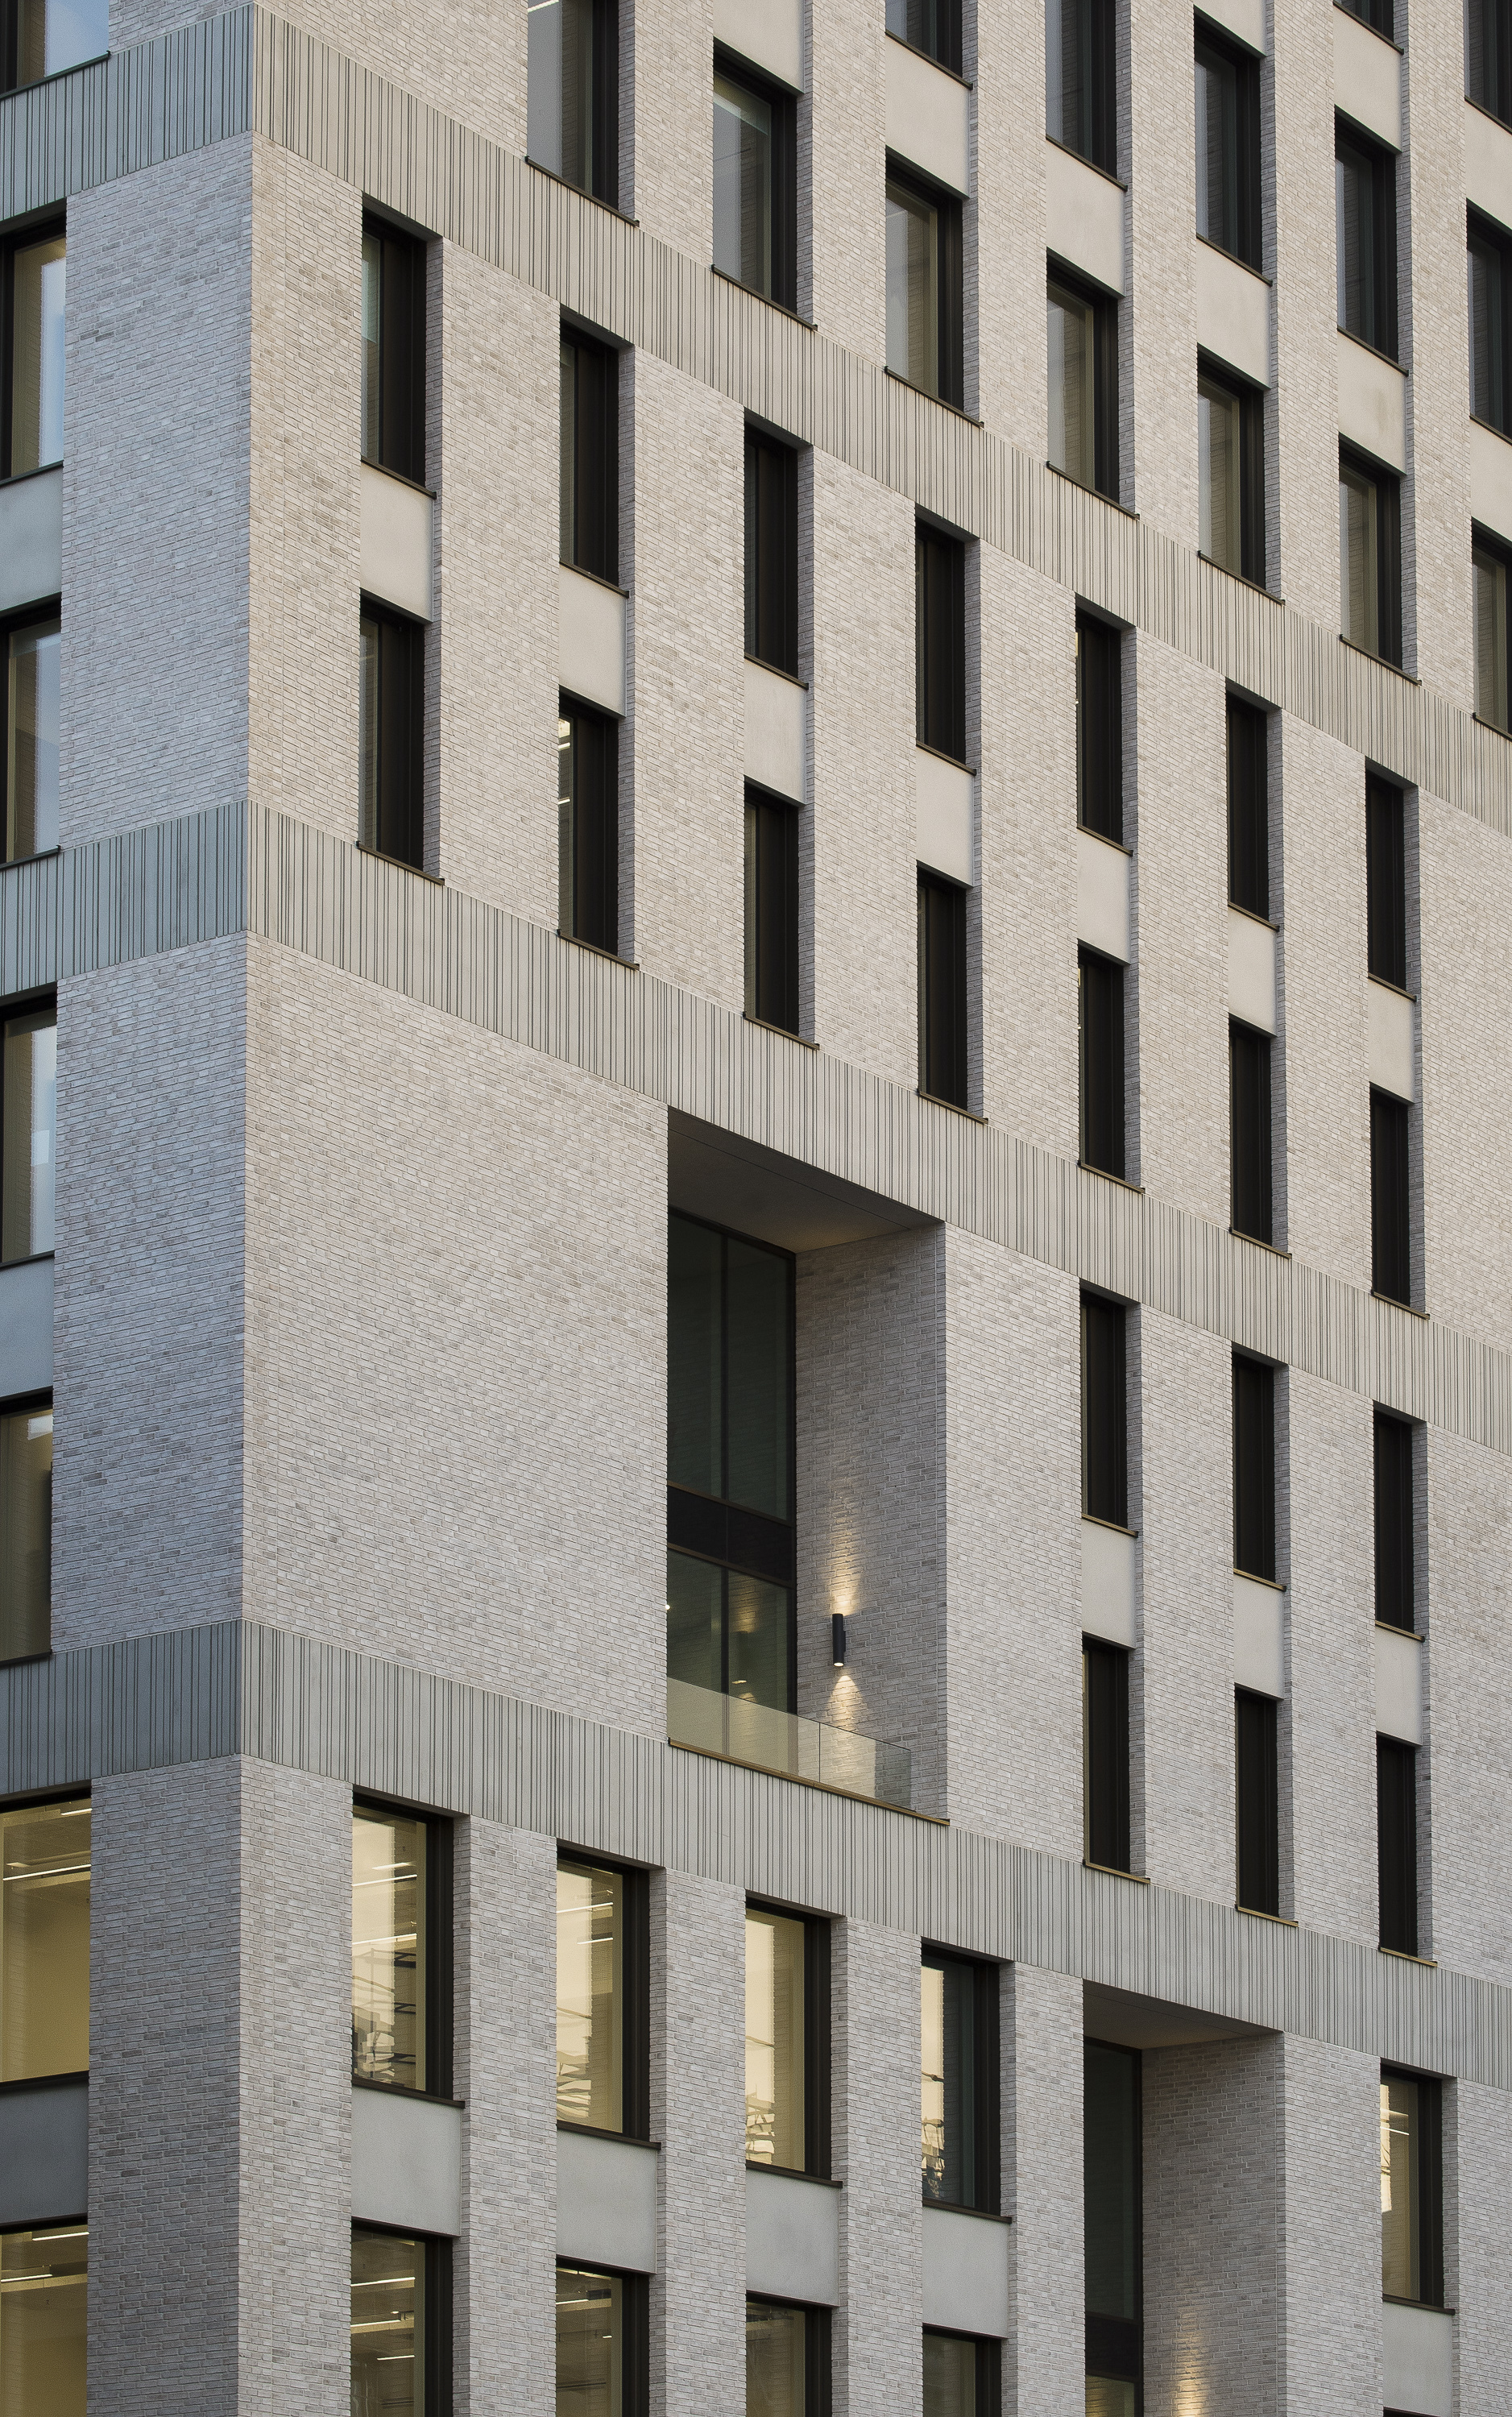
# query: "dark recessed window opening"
[[400, 2323], [1395, 1523], [1491, 323], [1081, 72], [603, 2340], [1385, 881], [1488, 56], [1396, 1765], [1370, 556], [1257, 1803], [572, 92], [1250, 884], [755, 182], [33, 281], [787, 2041], [1364, 227], [939, 641], [730, 1414], [1391, 1228], [402, 1963], [1105, 1754], [44, 1945], [391, 714], [1375, 13], [1099, 726], [771, 553], [25, 1528], [587, 808], [933, 26], [1081, 335], [926, 333], [1488, 563], [771, 910], [590, 456], [959, 2080], [1100, 1061], [1113, 2230], [1231, 462], [1250, 1132], [393, 351], [602, 1998], [1254, 1468], [29, 762], [787, 2358], [42, 37], [942, 979], [1228, 145], [1411, 2188], [963, 2374], [1104, 1409]]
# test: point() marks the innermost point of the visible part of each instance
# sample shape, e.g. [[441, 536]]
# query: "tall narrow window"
[[1100, 1055], [1391, 1226], [391, 715], [1228, 145], [1081, 68], [1370, 556], [961, 2374], [43, 2297], [1396, 1771], [393, 351], [42, 37], [1254, 1468], [1412, 2189], [602, 2345], [32, 278], [32, 655], [787, 2360], [572, 102], [26, 1530], [771, 553], [1099, 726], [1249, 810], [925, 329], [587, 807], [933, 26], [942, 989], [1104, 1410], [590, 456], [771, 910], [1493, 667], [44, 1941], [601, 1997], [1231, 461], [787, 2041], [939, 641], [401, 2325], [1105, 1754], [401, 1950], [1491, 323], [1257, 1824], [1113, 2228], [28, 1134], [730, 1466], [755, 182], [959, 2081], [1250, 1132], [1395, 1523], [1365, 229], [1081, 339], [1385, 882], [1488, 56]]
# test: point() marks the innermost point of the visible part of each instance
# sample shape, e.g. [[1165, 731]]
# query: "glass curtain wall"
[[44, 1940], [388, 1860], [590, 2342], [774, 2043], [387, 2325], [43, 2296], [590, 1996], [32, 663], [1111, 2117], [25, 1530]]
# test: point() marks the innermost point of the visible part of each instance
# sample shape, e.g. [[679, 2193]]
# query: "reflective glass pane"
[[1488, 575], [372, 332], [388, 2326], [1072, 390], [1108, 2398], [32, 670], [1399, 2263], [26, 1533], [695, 1621], [947, 2079], [37, 356], [590, 2342], [1110, 2174], [29, 1145], [368, 768], [1217, 457], [52, 35], [568, 455], [759, 1628], [1217, 150], [775, 2362], [43, 2294], [1358, 591], [742, 185], [949, 2376], [560, 95], [387, 1949], [757, 1296], [912, 291], [695, 1388], [44, 1940], [590, 1996], [566, 772], [774, 2040]]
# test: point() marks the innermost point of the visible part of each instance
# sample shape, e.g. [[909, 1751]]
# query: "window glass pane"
[[32, 741], [695, 1622], [26, 1533], [372, 308], [695, 1386], [949, 2376], [567, 456], [54, 35], [387, 1949], [1488, 575], [590, 2026], [559, 104], [774, 2040], [590, 2342], [388, 2326], [1400, 2276], [756, 1298], [44, 1940], [368, 701], [759, 1635], [567, 821], [742, 185], [1106, 2398], [37, 356], [43, 2294], [27, 1185], [775, 2361], [1217, 149], [1072, 387], [1218, 449], [946, 2073], [1358, 591], [913, 292], [1111, 2119]]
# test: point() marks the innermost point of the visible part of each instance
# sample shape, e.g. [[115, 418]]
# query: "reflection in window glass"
[[947, 2059], [913, 287], [949, 2376], [387, 1949], [590, 2342], [372, 344], [1358, 538], [43, 2295], [37, 356], [1218, 454], [26, 1533], [1400, 2274], [1217, 149], [742, 185], [1488, 576], [731, 1367], [29, 1146], [32, 664], [54, 35], [590, 1947], [774, 2040], [559, 129], [1072, 387], [387, 2325], [776, 2360], [44, 1940]]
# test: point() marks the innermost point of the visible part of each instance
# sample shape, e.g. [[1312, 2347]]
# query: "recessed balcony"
[[738, 1730]]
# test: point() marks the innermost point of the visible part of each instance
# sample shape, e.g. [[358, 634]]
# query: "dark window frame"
[[818, 2040], [440, 1949], [43, 229], [635, 2318], [1247, 744], [1429, 2176], [818, 2366], [1385, 881], [1222, 48], [398, 809], [587, 893], [1483, 236], [1395, 1521], [440, 2318], [19, 618], [1254, 1468], [1378, 327], [1251, 1152], [773, 922], [1391, 1197], [1104, 1408], [25, 1002], [1257, 1803], [943, 1014], [1115, 2344], [1094, 135], [1396, 1813], [771, 552], [596, 454], [783, 103], [604, 167], [1106, 1754], [988, 2364], [12, 1405], [1102, 1089], [1387, 485], [1485, 545], [635, 1977], [939, 641], [1251, 403], [986, 2124], [1100, 726], [1488, 62], [949, 281], [1104, 307], [403, 350]]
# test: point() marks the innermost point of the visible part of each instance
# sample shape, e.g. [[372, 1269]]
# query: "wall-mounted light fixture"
[[836, 1638]]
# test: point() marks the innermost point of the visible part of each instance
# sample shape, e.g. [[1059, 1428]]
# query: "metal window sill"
[[958, 409], [1405, 1955], [1090, 1519], [1389, 1300], [788, 310], [1278, 1585], [598, 2132], [762, 1025], [42, 469], [1224, 253], [400, 863], [1413, 1635], [581, 191], [611, 957], [1267, 922], [778, 673], [957, 762], [1106, 1176], [401, 2089], [35, 84], [415, 486], [794, 2173], [1101, 494], [1141, 1879], [1120, 844], [1257, 1913], [1383, 662], [598, 578], [954, 73], [1390, 43], [955, 2207], [954, 1105], [1237, 1231], [1109, 175]]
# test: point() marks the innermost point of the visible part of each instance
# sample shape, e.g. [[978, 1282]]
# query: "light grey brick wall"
[[842, 255], [1045, 2358], [1331, 2221], [698, 2112], [1330, 1625], [1434, 345], [1460, 1785], [1477, 2183], [1466, 1076], [666, 133], [1303, 556], [877, 2335], [1157, 438], [1003, 53]]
